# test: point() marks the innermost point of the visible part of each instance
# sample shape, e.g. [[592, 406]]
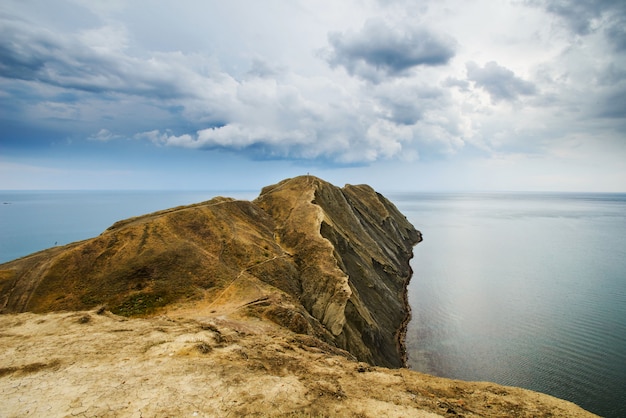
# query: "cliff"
[[352, 249], [283, 306], [328, 262]]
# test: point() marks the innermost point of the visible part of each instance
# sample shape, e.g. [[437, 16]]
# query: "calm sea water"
[[520, 289], [32, 221]]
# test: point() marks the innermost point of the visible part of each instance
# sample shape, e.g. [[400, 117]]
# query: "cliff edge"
[[320, 260], [352, 249], [288, 305]]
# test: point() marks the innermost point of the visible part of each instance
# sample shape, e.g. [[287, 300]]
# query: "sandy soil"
[[95, 364]]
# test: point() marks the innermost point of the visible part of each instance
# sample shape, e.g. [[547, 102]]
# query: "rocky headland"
[[293, 304]]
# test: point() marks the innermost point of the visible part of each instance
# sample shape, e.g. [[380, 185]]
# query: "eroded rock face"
[[352, 247], [259, 308], [319, 260]]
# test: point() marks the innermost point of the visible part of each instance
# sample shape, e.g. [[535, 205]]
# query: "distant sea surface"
[[524, 290], [35, 220], [519, 289]]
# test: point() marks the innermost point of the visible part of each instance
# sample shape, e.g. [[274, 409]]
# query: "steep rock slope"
[[352, 247], [314, 258], [247, 309]]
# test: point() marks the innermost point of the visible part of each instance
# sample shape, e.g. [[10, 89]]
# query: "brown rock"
[[334, 261], [283, 306]]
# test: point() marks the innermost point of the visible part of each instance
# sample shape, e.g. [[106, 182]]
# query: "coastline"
[[258, 303], [402, 331]]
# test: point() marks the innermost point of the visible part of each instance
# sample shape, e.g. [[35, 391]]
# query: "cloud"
[[408, 103], [380, 50], [95, 61], [253, 84], [185, 100], [104, 135], [583, 17], [164, 138], [586, 17], [339, 144], [275, 120], [616, 34], [579, 16], [500, 82], [463, 85], [270, 112], [262, 69], [613, 104]]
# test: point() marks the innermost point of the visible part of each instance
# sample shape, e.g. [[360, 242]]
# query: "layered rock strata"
[[247, 309], [317, 259]]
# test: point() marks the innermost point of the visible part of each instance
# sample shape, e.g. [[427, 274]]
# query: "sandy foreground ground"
[[95, 364]]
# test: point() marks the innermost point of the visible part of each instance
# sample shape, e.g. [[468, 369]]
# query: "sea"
[[520, 289]]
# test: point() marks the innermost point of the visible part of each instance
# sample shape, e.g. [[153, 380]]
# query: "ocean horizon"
[[523, 289], [34, 220]]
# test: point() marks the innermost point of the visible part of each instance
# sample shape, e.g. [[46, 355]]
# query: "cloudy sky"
[[403, 95]]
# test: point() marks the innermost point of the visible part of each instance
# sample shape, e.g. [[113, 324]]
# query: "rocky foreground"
[[285, 306], [196, 362]]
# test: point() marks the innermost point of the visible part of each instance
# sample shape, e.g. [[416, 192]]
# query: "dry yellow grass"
[[277, 307], [219, 365]]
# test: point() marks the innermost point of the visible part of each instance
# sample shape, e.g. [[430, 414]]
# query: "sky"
[[431, 95]]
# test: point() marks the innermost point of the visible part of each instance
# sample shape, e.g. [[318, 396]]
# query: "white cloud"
[[104, 135], [381, 50], [394, 81], [500, 82]]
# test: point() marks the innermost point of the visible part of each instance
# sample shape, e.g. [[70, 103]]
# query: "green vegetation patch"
[[140, 304]]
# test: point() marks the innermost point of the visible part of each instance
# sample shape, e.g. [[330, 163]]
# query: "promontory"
[[293, 304]]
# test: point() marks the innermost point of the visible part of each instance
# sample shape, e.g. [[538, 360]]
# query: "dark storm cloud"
[[500, 82], [406, 105], [613, 105], [22, 56], [616, 34], [584, 17], [380, 50], [185, 101], [578, 15], [40, 55]]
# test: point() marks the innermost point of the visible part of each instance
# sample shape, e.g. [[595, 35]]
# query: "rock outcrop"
[[329, 262], [352, 248], [283, 306]]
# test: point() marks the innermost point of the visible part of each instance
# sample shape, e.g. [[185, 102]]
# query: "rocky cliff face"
[[247, 309], [352, 248], [314, 258]]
